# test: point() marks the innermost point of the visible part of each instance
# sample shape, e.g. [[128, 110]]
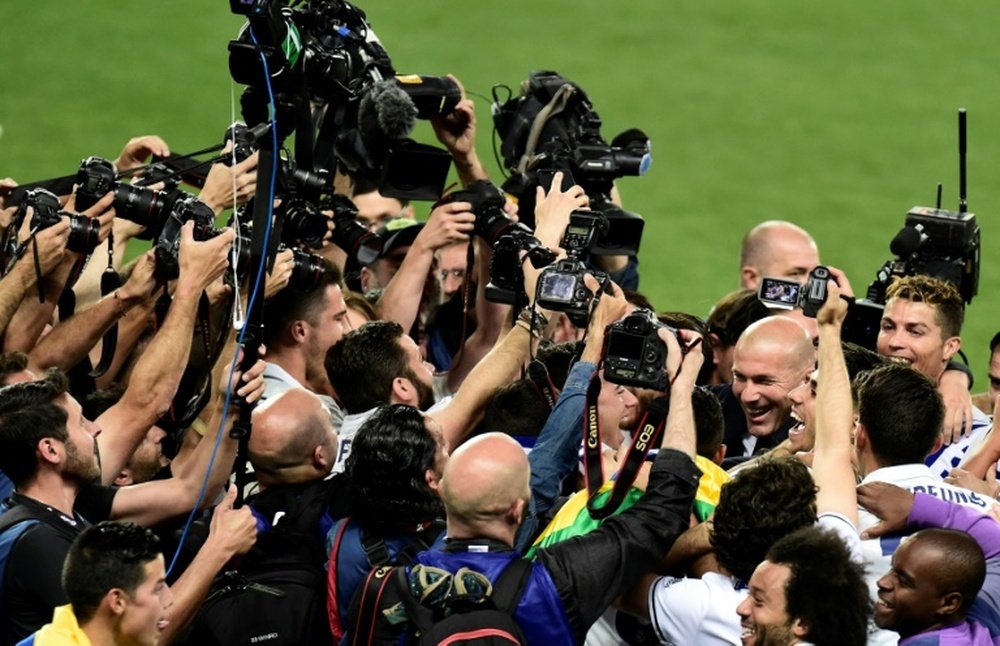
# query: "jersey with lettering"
[[878, 551]]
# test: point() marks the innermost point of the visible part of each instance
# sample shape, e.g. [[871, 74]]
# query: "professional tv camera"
[[324, 52], [934, 242], [552, 126]]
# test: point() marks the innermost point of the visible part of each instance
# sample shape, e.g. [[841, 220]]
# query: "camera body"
[[349, 234], [84, 232], [487, 202], [561, 289], [634, 355], [168, 244], [788, 294], [144, 206], [506, 276]]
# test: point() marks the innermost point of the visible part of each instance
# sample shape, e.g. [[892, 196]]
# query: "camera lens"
[[84, 234]]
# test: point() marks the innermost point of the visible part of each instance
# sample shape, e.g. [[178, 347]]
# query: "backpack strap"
[[421, 616], [375, 550], [369, 607], [332, 600], [13, 522], [510, 585]]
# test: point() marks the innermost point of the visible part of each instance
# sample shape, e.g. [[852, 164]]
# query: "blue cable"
[[258, 282]]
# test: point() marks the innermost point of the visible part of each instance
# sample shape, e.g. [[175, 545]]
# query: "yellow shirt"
[[63, 631]]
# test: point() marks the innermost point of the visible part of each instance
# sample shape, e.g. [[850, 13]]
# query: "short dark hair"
[[362, 365], [516, 409], [757, 507], [939, 294], [96, 403], [708, 422], [826, 590], [298, 303], [11, 362], [386, 469], [902, 412], [106, 556], [961, 564], [29, 414], [860, 359], [994, 342], [559, 359], [733, 314]]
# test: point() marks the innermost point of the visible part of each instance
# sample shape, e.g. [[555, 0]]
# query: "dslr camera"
[[144, 206], [84, 232], [788, 294], [560, 286], [487, 205], [633, 353]]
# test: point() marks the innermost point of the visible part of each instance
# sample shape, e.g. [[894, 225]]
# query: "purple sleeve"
[[929, 511]]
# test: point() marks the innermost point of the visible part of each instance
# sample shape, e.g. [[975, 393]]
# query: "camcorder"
[[560, 286], [634, 354], [552, 126], [789, 294]]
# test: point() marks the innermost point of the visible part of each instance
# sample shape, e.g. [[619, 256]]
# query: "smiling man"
[[922, 323], [808, 591], [773, 356]]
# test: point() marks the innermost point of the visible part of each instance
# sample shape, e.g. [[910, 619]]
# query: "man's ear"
[[298, 331], [124, 479], [800, 629], [116, 600], [950, 604], [720, 455], [860, 437], [951, 347], [515, 515], [51, 450], [320, 458], [750, 277], [402, 391], [366, 280], [432, 479]]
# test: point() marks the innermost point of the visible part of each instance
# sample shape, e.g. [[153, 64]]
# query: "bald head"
[[772, 357], [293, 439], [956, 562], [485, 487], [779, 249]]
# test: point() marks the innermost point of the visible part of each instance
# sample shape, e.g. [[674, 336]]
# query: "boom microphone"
[[386, 113]]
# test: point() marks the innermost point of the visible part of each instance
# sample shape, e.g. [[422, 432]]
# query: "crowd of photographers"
[[467, 422]]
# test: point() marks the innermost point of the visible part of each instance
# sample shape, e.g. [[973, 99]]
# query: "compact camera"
[[788, 294], [634, 355]]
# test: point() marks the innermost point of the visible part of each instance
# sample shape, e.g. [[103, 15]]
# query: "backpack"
[[13, 522], [376, 555], [454, 619], [277, 594]]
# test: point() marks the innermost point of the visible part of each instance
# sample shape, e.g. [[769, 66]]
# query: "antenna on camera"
[[963, 205]]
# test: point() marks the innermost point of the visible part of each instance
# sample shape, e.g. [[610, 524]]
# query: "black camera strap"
[[110, 282], [539, 377], [647, 436]]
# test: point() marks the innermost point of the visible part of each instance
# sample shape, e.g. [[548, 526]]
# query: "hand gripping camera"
[[634, 355], [788, 294], [560, 287]]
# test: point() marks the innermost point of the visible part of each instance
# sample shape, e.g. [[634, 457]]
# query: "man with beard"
[[378, 364], [49, 450]]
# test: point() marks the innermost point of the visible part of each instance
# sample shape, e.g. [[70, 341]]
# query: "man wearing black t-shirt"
[[48, 450]]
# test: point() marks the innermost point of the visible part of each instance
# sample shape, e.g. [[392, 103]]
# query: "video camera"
[[552, 127], [634, 354], [789, 294], [933, 242], [325, 52]]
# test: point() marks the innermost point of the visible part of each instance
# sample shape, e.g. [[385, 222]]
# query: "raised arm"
[[158, 372], [832, 469], [70, 341]]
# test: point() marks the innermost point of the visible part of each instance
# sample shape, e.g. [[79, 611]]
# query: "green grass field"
[[838, 116]]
